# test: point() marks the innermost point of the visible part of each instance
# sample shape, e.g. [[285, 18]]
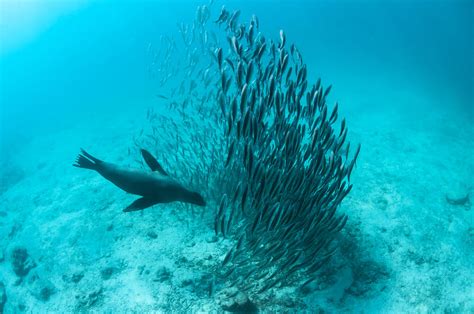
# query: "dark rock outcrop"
[[22, 263], [3, 297]]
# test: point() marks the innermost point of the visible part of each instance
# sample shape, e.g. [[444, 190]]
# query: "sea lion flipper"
[[96, 160], [152, 162], [86, 160], [140, 204]]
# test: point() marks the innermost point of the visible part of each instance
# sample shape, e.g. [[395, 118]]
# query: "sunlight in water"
[[22, 21]]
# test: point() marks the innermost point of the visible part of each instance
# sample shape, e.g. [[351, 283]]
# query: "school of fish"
[[249, 130]]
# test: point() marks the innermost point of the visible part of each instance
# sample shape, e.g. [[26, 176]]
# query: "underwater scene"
[[265, 156]]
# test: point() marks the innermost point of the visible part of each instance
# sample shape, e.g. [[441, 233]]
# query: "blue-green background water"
[[77, 74], [61, 59]]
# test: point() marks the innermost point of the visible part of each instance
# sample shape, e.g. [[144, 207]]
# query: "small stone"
[[107, 272], [162, 274], [45, 293], [212, 239], [152, 234], [459, 197], [76, 277], [406, 231], [382, 203], [110, 227], [118, 238], [237, 303], [182, 260], [89, 299], [186, 282]]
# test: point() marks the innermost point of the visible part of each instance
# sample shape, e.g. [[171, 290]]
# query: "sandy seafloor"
[[404, 250]]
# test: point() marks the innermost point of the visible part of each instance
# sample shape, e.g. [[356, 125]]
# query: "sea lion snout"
[[197, 199]]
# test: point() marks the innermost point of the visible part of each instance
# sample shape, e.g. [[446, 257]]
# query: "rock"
[[470, 232], [182, 260], [162, 274], [381, 203], [141, 269], [41, 289], [232, 300], [367, 277], [2, 255], [152, 234], [107, 272], [15, 228], [459, 196], [205, 285], [3, 296], [22, 262], [45, 293], [416, 257], [76, 277], [110, 227], [187, 282], [212, 239], [89, 299], [406, 231]]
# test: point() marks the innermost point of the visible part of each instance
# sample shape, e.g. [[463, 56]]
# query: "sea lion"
[[155, 186]]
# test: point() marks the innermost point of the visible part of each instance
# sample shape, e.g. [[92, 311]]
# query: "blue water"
[[78, 74], [370, 51]]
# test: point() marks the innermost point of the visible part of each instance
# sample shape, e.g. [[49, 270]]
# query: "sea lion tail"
[[86, 160]]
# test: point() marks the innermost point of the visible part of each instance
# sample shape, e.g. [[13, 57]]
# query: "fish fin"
[[152, 162], [140, 204]]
